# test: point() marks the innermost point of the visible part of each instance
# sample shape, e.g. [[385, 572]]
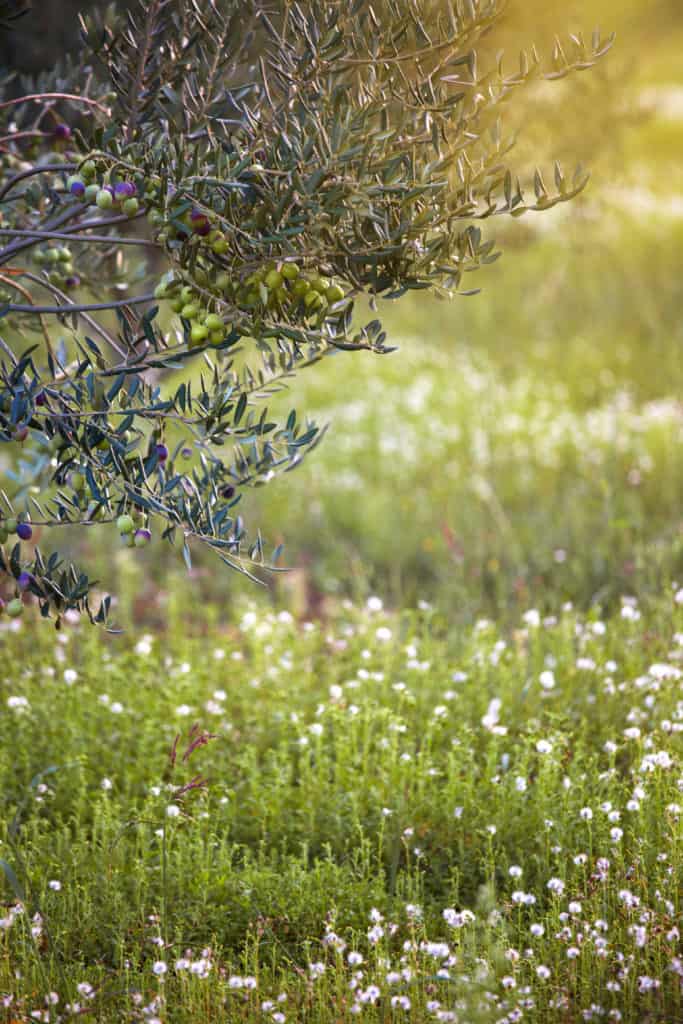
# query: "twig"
[[137, 300], [55, 96], [84, 316], [27, 295], [45, 169], [69, 236]]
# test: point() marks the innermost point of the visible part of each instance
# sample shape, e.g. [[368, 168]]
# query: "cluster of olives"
[[108, 192], [133, 533], [205, 327], [282, 288], [57, 260]]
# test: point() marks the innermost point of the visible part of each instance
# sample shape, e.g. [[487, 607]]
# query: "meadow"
[[434, 772]]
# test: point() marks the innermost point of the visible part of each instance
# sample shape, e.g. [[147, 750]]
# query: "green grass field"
[[392, 820], [434, 772]]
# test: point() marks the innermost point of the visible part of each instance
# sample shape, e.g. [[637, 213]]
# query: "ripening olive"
[[105, 199], [187, 293], [130, 207], [290, 271], [335, 293], [216, 337], [213, 322], [189, 311], [88, 169]]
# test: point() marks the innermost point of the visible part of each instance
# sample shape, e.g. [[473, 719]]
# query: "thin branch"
[[137, 300], [45, 169], [56, 96], [84, 316], [27, 295], [69, 236]]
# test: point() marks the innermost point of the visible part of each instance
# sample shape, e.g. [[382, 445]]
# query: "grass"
[[373, 771]]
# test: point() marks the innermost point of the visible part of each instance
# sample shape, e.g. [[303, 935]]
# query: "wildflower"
[[547, 679], [544, 747], [316, 969], [159, 967], [402, 1002], [556, 886], [54, 884], [586, 814], [543, 972]]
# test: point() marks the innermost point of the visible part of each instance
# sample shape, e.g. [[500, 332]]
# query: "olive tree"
[[189, 211]]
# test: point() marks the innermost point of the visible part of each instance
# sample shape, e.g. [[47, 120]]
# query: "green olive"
[[189, 311], [198, 334], [273, 279], [301, 286], [321, 284]]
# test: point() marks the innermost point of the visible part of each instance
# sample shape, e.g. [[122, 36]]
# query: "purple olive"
[[62, 131], [142, 536], [24, 531], [200, 223], [162, 452], [41, 398], [77, 188], [124, 190], [24, 580], [72, 282], [228, 492]]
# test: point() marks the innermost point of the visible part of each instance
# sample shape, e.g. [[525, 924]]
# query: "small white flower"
[[159, 967], [54, 884]]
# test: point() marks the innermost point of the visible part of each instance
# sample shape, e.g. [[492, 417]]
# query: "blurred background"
[[523, 446]]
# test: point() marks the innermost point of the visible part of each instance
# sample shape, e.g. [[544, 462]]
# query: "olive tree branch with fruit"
[[280, 160]]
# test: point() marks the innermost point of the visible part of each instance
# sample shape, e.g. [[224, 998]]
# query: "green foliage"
[[280, 163]]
